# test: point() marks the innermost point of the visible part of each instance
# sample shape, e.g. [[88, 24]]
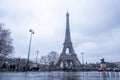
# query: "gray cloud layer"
[[94, 24]]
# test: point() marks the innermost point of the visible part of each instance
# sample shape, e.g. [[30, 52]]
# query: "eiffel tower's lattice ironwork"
[[68, 60]]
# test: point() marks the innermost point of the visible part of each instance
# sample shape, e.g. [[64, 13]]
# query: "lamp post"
[[32, 32], [82, 59], [37, 56]]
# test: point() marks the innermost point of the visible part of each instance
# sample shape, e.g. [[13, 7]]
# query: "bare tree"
[[44, 60], [53, 57], [49, 59], [6, 47]]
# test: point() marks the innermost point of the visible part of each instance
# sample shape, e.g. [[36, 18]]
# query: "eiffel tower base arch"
[[68, 63]]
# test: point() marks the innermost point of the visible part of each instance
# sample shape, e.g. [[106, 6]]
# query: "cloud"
[[94, 25]]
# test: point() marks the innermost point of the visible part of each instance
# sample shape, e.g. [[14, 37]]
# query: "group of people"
[[12, 67], [17, 67]]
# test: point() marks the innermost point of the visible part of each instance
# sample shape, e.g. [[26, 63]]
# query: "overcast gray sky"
[[95, 26]]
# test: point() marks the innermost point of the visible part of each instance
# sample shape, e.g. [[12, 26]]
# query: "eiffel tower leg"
[[64, 50]]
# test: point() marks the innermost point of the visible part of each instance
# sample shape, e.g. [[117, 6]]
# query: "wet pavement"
[[59, 75]]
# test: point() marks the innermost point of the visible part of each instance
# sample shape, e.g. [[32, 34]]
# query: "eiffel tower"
[[68, 60]]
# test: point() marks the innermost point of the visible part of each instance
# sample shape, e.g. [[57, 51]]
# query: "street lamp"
[[37, 56], [82, 60], [32, 32]]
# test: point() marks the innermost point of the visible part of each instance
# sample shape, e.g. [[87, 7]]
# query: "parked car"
[[116, 69]]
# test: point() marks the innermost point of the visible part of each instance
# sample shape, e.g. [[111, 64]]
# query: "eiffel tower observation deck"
[[68, 60]]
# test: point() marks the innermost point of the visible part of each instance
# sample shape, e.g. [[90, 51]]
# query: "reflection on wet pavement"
[[59, 75]]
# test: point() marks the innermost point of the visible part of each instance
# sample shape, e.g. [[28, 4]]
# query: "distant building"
[[117, 63]]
